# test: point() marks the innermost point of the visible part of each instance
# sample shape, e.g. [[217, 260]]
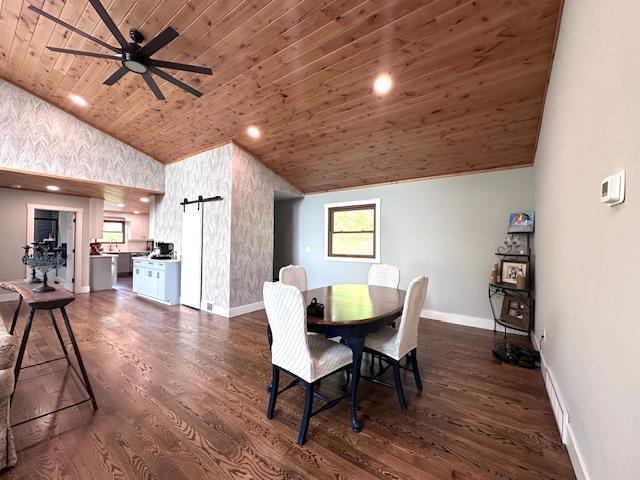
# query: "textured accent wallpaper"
[[253, 191], [38, 137], [207, 174]]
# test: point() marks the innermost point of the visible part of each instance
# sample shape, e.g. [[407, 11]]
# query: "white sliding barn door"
[[191, 260]]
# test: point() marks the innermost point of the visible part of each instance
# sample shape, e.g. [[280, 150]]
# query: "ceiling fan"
[[134, 57]]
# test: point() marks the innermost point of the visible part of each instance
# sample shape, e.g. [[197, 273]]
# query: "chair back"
[[287, 317], [383, 275], [407, 338], [294, 275]]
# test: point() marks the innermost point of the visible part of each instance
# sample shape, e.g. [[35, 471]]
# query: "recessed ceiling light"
[[382, 84], [136, 212], [52, 188], [144, 199], [253, 132], [78, 100], [15, 186], [120, 205]]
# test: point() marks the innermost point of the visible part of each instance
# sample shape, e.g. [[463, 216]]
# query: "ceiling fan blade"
[[115, 76], [162, 39], [153, 85], [109, 23], [181, 66], [175, 81], [73, 29], [85, 54]]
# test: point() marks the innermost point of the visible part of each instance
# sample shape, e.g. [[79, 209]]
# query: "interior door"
[[70, 227], [191, 259]]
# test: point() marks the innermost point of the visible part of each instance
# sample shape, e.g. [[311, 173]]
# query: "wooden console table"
[[57, 299]]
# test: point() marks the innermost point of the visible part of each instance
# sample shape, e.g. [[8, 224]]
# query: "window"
[[352, 231], [112, 232]]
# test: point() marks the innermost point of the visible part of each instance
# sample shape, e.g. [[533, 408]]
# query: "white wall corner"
[[465, 320], [85, 289]]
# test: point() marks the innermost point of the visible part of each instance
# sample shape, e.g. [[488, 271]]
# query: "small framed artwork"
[[516, 311], [510, 271], [521, 222]]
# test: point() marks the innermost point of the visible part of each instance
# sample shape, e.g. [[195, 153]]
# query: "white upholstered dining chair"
[[294, 275], [392, 344], [308, 358], [383, 275]]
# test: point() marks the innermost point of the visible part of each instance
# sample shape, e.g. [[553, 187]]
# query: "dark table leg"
[[55, 326], [15, 316], [76, 350], [23, 346], [270, 339], [356, 344]]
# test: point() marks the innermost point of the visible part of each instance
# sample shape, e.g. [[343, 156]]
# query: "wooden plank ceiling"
[[114, 196], [469, 79]]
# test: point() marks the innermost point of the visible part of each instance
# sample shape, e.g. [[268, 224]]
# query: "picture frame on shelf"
[[516, 311], [509, 271], [521, 222]]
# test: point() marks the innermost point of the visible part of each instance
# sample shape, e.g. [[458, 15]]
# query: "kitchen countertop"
[[145, 259]]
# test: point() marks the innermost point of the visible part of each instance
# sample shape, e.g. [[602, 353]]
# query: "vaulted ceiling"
[[469, 79]]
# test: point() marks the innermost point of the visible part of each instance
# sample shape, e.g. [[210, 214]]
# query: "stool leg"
[[55, 326], [23, 346], [76, 350], [15, 316]]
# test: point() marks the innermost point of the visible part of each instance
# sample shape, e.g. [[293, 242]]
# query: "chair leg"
[[372, 364], [275, 380], [306, 413], [416, 371], [398, 384]]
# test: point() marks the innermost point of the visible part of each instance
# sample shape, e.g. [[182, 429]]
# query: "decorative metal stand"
[[504, 297], [42, 259]]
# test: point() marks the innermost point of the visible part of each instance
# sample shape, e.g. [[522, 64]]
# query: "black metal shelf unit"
[[513, 307]]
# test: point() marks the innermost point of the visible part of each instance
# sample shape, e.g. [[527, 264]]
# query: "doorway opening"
[[284, 207], [60, 229], [57, 230]]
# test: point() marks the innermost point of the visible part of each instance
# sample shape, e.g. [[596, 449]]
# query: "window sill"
[[351, 259]]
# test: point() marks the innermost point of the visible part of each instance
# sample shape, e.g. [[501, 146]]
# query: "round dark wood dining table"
[[352, 311]]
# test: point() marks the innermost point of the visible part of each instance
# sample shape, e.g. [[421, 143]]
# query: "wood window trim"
[[122, 222], [330, 209]]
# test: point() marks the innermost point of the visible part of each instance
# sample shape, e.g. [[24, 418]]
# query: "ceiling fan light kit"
[[134, 57]]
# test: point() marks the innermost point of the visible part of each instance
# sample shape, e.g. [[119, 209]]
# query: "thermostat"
[[612, 189]]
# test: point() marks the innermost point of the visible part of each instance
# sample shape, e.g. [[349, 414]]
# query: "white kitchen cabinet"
[[157, 279]]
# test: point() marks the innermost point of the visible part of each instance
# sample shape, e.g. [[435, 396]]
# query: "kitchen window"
[[353, 231], [112, 232]]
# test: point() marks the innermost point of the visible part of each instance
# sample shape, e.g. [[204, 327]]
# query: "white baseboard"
[[234, 311], [86, 289], [559, 405], [8, 297], [241, 310], [467, 321], [577, 460]]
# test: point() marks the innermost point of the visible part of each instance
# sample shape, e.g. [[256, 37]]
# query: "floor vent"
[[210, 307]]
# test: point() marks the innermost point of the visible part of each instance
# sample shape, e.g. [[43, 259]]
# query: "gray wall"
[[446, 228], [13, 234], [588, 275]]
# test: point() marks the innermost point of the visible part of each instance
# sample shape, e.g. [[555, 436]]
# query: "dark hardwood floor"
[[182, 395]]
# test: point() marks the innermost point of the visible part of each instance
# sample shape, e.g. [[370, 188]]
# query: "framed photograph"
[[521, 222], [510, 271], [516, 312]]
